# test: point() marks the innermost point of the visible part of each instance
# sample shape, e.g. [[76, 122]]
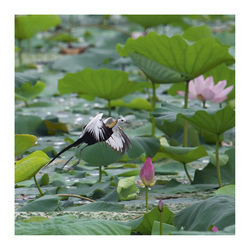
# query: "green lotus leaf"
[[215, 122], [63, 37], [30, 165], [137, 103], [99, 154], [174, 53], [27, 26], [28, 91], [185, 154], [227, 190], [126, 188], [140, 145], [68, 225], [144, 225], [43, 204], [208, 174], [166, 228], [104, 83], [24, 142], [218, 211], [196, 33], [154, 20]]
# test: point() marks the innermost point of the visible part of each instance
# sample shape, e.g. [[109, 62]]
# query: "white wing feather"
[[118, 141], [94, 127]]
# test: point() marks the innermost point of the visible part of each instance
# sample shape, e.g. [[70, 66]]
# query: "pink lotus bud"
[[160, 205], [214, 229], [147, 173]]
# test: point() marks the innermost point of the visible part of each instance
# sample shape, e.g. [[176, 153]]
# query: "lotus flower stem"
[[161, 223], [146, 199], [38, 187], [185, 128], [153, 106], [204, 104], [186, 171], [218, 160], [100, 174]]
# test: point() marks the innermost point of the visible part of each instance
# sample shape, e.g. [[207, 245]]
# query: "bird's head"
[[121, 120]]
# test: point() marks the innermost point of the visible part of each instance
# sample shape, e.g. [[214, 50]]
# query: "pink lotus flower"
[[214, 229], [137, 34], [147, 173], [205, 90]]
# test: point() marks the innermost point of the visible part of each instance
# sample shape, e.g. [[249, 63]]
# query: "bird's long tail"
[[74, 144]]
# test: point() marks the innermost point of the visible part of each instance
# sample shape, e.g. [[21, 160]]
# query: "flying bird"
[[99, 130]]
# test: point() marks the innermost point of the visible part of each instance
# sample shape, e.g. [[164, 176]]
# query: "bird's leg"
[[75, 164], [67, 161]]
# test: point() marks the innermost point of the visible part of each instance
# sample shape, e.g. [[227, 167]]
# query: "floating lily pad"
[[45, 203], [30, 165], [68, 225], [99, 206], [226, 190], [218, 211], [24, 142]]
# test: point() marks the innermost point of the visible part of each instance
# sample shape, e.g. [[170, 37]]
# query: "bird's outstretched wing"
[[96, 131], [119, 141]]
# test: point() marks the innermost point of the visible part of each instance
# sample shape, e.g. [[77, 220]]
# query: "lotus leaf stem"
[[100, 174], [38, 187], [186, 171]]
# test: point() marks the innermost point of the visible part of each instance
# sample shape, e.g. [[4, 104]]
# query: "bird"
[[99, 130]]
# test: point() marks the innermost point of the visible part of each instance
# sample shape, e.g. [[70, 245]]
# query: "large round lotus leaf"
[[155, 20], [214, 122], [184, 154], [104, 83], [27, 26], [99, 154], [24, 142], [181, 60], [30, 165]]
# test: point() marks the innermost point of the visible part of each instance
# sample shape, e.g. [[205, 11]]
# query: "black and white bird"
[[99, 130]]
